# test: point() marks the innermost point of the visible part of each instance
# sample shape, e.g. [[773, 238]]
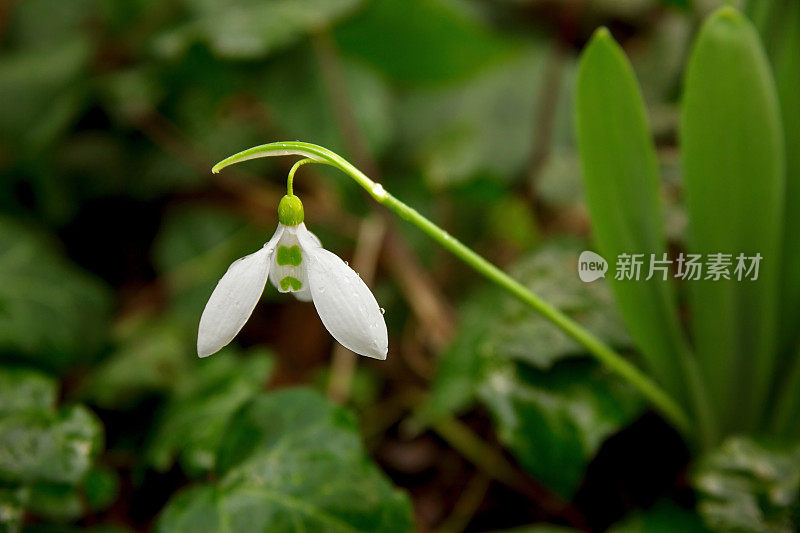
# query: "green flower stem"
[[290, 179], [646, 386]]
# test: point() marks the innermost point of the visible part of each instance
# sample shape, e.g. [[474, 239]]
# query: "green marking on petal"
[[289, 256], [292, 282]]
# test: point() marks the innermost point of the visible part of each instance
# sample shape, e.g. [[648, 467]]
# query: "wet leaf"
[[748, 486], [291, 460], [53, 446], [552, 406]]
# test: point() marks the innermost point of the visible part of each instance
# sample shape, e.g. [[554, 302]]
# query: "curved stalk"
[[618, 364]]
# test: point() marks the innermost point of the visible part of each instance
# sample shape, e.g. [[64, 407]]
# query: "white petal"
[[234, 299], [314, 238], [344, 302], [304, 294]]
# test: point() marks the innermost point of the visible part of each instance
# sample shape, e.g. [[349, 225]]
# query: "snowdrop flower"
[[295, 261]]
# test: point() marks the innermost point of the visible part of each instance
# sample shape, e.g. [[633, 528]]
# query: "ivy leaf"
[[46, 454], [306, 110], [553, 407], [151, 353], [61, 502], [484, 126], [57, 446], [195, 418], [50, 311], [555, 422], [194, 248], [421, 41], [40, 93], [57, 502], [291, 460], [496, 329], [746, 485], [22, 390], [12, 508], [250, 29]]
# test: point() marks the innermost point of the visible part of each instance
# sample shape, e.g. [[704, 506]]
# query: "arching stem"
[[290, 179], [602, 352]]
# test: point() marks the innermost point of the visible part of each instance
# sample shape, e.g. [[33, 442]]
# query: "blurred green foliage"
[[553, 406], [748, 485], [47, 464], [113, 233], [291, 461]]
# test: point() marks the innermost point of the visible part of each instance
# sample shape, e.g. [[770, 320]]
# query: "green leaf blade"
[[734, 172], [620, 172]]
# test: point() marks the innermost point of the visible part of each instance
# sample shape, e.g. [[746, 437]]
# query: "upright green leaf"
[[734, 171], [621, 184], [778, 22], [786, 64]]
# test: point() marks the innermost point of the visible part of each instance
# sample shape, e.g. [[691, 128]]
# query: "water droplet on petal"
[[383, 311]]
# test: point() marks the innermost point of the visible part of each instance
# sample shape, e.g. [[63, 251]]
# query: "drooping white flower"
[[295, 261]]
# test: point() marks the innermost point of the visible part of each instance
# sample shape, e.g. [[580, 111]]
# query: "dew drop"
[[383, 311]]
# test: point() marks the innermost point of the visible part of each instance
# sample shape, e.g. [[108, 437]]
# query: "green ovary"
[[289, 256], [291, 282]]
